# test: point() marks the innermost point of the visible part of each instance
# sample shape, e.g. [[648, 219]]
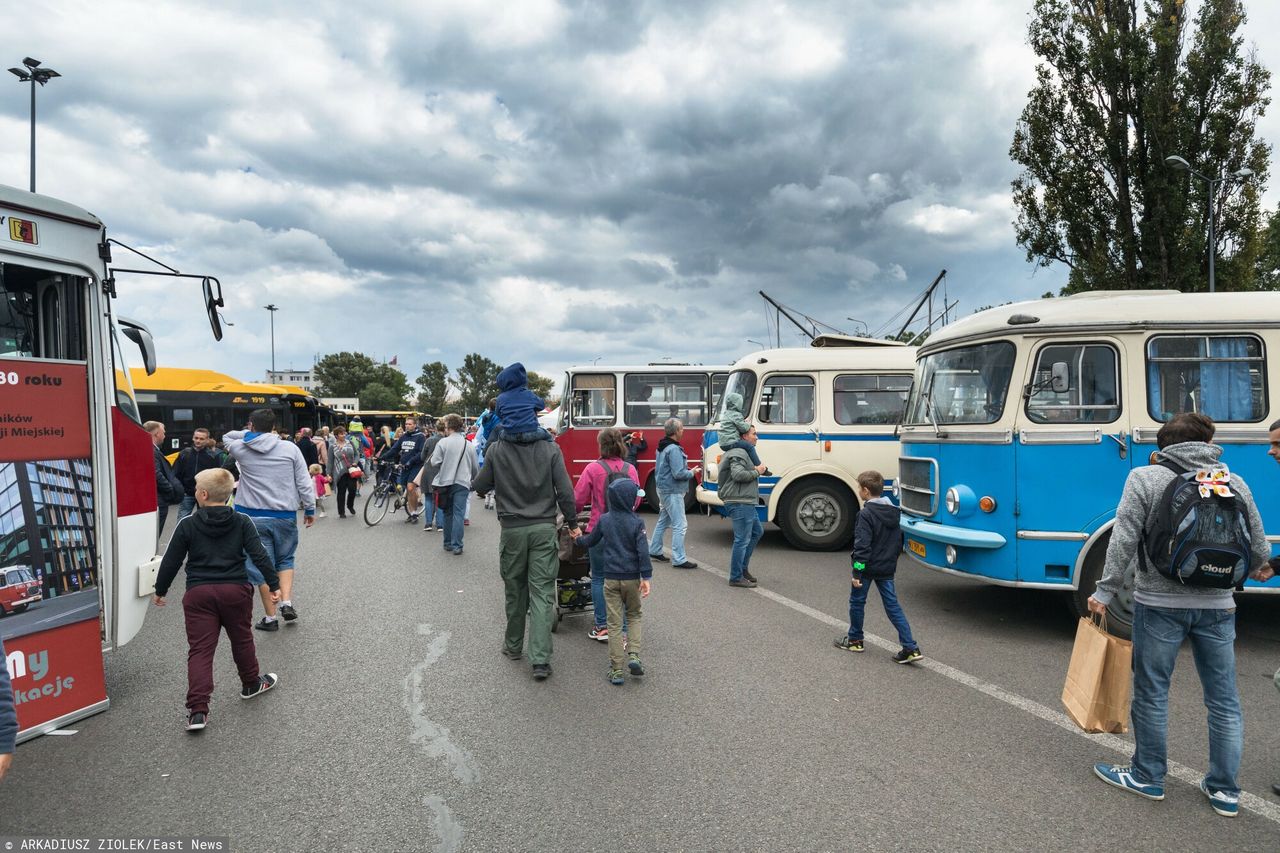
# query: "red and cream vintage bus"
[[77, 482], [634, 399]]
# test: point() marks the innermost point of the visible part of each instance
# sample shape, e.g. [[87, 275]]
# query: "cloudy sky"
[[542, 181]]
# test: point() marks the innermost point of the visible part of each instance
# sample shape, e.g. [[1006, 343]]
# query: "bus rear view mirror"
[[212, 302], [1061, 377], [140, 335]]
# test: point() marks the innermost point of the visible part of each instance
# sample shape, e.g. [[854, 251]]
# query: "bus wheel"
[[1120, 610], [818, 514], [651, 493], [19, 608]]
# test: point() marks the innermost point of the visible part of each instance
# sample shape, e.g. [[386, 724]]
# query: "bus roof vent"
[[1023, 320]]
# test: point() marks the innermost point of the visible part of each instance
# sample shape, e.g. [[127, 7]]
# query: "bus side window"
[[651, 398], [862, 399], [1222, 376], [1092, 395], [594, 400], [787, 400]]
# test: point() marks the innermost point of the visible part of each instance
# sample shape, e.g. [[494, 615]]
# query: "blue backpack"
[[1198, 537]]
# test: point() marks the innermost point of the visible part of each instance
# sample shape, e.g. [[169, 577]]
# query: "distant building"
[[46, 522], [342, 404], [304, 379]]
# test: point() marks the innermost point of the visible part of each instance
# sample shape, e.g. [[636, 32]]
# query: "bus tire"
[[1120, 610], [19, 608], [818, 514]]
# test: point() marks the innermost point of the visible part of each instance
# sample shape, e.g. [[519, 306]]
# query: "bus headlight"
[[951, 555], [953, 501], [960, 501]]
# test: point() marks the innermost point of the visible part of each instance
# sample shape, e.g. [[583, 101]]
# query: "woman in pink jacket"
[[590, 490]]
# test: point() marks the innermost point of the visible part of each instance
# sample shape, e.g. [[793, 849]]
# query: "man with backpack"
[[1187, 530], [1272, 568]]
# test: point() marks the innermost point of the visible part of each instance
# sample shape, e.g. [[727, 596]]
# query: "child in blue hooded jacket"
[[518, 407], [627, 574]]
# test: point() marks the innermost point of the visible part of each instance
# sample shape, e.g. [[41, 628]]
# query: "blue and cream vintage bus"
[[823, 415], [1025, 420]]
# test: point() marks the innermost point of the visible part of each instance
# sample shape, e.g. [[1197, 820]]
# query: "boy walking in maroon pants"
[[214, 541]]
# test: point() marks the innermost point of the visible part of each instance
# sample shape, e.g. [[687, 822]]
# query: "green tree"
[[376, 395], [354, 374], [1121, 86], [391, 378], [1267, 267], [477, 382], [434, 382], [541, 385]]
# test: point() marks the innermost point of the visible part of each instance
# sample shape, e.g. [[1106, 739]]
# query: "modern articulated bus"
[[823, 415], [1025, 420]]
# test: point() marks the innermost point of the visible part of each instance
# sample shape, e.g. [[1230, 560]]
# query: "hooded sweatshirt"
[[1139, 502], [877, 539], [733, 426], [273, 476], [530, 481], [672, 473], [518, 407], [626, 548], [214, 541]]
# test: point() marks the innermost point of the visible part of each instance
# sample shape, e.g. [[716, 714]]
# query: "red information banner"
[[56, 672], [44, 410]]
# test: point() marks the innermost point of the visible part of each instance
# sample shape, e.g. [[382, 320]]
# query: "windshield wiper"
[[931, 410]]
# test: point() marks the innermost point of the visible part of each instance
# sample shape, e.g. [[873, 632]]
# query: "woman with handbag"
[[345, 469]]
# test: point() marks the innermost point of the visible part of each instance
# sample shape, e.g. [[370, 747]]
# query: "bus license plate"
[[916, 548]]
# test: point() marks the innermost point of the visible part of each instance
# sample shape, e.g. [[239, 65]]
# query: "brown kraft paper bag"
[[1099, 679]]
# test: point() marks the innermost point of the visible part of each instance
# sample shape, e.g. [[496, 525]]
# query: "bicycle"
[[387, 495]]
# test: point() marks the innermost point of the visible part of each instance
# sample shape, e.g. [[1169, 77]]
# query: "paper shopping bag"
[[1099, 679]]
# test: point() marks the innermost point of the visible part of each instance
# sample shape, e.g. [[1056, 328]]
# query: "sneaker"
[[322, 515], [457, 552], [661, 558], [617, 676], [687, 564], [743, 583], [196, 721], [601, 633], [843, 642], [466, 522], [908, 656], [541, 671], [748, 576], [431, 528], [287, 611], [265, 624], [1224, 804], [265, 683], [1121, 776], [513, 654], [633, 664]]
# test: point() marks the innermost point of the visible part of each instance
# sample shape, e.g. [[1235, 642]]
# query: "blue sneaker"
[[616, 676], [1121, 776], [1224, 804]]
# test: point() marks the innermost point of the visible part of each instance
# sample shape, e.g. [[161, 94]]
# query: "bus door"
[[590, 405], [1072, 454], [786, 422]]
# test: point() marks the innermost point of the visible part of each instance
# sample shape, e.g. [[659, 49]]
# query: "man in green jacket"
[[531, 483], [739, 487]]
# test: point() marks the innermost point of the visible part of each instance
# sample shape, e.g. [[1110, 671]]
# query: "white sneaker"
[[1224, 804]]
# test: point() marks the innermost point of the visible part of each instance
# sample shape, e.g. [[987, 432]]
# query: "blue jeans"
[[453, 526], [280, 539], [672, 515], [1158, 633], [892, 609], [187, 506], [747, 531], [598, 610]]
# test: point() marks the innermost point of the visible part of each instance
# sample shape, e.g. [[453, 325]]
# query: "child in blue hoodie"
[[627, 573], [518, 408]]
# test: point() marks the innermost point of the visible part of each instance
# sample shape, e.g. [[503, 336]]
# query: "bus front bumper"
[[961, 537], [707, 494]]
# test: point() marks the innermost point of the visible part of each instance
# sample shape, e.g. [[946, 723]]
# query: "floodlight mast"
[[33, 74]]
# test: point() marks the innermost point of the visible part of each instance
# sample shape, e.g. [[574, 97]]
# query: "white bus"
[[823, 415]]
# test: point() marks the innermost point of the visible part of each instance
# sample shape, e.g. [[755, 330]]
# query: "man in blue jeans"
[[739, 488], [673, 477], [1166, 612], [454, 460]]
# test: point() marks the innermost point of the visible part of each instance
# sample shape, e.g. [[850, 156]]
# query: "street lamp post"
[[273, 309], [33, 74], [1181, 164]]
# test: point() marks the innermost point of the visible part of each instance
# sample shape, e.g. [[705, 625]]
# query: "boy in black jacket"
[[877, 541], [627, 573], [214, 541]]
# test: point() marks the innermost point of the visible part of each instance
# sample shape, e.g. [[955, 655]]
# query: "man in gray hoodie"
[[1166, 612], [273, 483]]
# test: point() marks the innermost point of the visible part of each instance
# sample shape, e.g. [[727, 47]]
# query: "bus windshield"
[[742, 382], [962, 386]]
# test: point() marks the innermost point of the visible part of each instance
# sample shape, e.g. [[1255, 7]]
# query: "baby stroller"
[[573, 583]]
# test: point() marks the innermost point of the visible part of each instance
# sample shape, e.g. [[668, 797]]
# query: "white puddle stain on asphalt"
[[1249, 802], [434, 742]]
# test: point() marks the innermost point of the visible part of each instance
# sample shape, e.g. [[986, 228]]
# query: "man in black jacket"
[[168, 488], [877, 542], [200, 456], [214, 542]]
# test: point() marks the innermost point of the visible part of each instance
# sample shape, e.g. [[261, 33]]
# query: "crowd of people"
[[515, 466]]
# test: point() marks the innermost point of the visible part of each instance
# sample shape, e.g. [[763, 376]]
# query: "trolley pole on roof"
[[928, 295], [784, 312]]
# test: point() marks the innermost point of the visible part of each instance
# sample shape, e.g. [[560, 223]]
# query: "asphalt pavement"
[[397, 725]]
